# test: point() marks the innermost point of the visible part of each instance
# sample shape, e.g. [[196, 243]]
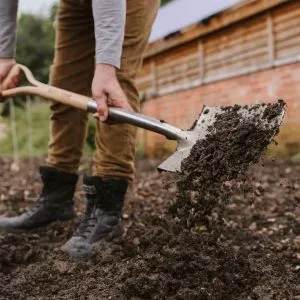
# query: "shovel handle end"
[[15, 71]]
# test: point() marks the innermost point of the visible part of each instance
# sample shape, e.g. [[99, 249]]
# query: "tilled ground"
[[251, 252]]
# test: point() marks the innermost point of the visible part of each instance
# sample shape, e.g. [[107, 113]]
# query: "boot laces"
[[88, 222], [34, 208], [46, 189]]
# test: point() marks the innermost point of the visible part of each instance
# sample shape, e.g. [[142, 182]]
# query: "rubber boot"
[[102, 218], [55, 203]]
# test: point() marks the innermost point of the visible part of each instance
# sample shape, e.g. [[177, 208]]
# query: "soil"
[[254, 253], [219, 233], [234, 142]]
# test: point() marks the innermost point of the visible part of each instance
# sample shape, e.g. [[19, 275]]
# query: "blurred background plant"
[[35, 44]]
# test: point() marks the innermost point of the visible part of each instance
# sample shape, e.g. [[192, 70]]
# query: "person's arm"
[[109, 19], [8, 24]]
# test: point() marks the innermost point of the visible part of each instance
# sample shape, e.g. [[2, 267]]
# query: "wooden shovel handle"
[[15, 71], [118, 115], [43, 90]]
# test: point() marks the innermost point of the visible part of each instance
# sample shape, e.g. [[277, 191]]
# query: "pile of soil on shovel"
[[234, 142], [246, 249]]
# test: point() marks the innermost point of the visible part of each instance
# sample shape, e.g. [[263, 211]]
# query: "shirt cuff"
[[7, 54], [109, 60]]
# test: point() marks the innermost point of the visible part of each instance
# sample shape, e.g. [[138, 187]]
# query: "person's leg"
[[72, 70], [114, 157], [115, 144]]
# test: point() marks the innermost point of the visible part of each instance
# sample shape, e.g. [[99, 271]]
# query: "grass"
[[40, 114], [40, 131]]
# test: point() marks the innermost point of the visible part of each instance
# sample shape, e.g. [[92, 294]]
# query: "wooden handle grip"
[[43, 90], [15, 71], [64, 97]]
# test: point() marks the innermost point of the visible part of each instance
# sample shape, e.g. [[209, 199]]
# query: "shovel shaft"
[[87, 104], [123, 116]]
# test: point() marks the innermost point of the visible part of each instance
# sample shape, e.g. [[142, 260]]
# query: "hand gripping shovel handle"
[[87, 104]]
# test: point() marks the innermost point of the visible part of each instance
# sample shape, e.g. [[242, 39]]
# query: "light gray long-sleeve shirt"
[[109, 20]]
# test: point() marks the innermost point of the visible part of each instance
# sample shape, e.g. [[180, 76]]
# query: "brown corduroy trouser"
[[73, 69]]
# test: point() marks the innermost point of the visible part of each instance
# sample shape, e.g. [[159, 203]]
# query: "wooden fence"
[[267, 40]]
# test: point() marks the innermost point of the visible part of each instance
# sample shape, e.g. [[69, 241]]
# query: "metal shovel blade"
[[207, 119]]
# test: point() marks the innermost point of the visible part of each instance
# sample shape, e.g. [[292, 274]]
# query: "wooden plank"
[[177, 53], [173, 77], [238, 55], [201, 60], [287, 60], [291, 23], [154, 76], [172, 83], [229, 53], [227, 35], [178, 87], [234, 73], [228, 17], [165, 71], [180, 60], [294, 42], [238, 65], [173, 74], [287, 51], [271, 42], [286, 12], [234, 42], [288, 34]]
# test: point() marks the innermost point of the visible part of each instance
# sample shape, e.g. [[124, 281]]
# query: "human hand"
[[107, 91], [5, 66]]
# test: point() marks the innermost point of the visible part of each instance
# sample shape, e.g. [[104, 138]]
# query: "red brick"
[[182, 107]]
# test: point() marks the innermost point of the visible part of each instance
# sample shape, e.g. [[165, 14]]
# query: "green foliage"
[[40, 131], [35, 44], [91, 131], [296, 157], [163, 2], [35, 48], [40, 113]]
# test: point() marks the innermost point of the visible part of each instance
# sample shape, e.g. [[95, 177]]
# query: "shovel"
[[185, 138]]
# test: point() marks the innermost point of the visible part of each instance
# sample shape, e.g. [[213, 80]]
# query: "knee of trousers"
[[128, 85]]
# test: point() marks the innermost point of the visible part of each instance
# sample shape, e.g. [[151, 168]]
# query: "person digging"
[[98, 51]]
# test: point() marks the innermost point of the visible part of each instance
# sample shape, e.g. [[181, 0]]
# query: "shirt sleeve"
[[8, 25], [109, 20]]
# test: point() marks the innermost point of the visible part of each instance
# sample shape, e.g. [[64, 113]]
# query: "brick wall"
[[181, 108]]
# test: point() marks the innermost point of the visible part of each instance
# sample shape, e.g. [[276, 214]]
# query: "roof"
[[179, 14]]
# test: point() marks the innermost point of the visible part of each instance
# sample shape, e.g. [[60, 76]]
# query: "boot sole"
[[85, 250], [29, 230]]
